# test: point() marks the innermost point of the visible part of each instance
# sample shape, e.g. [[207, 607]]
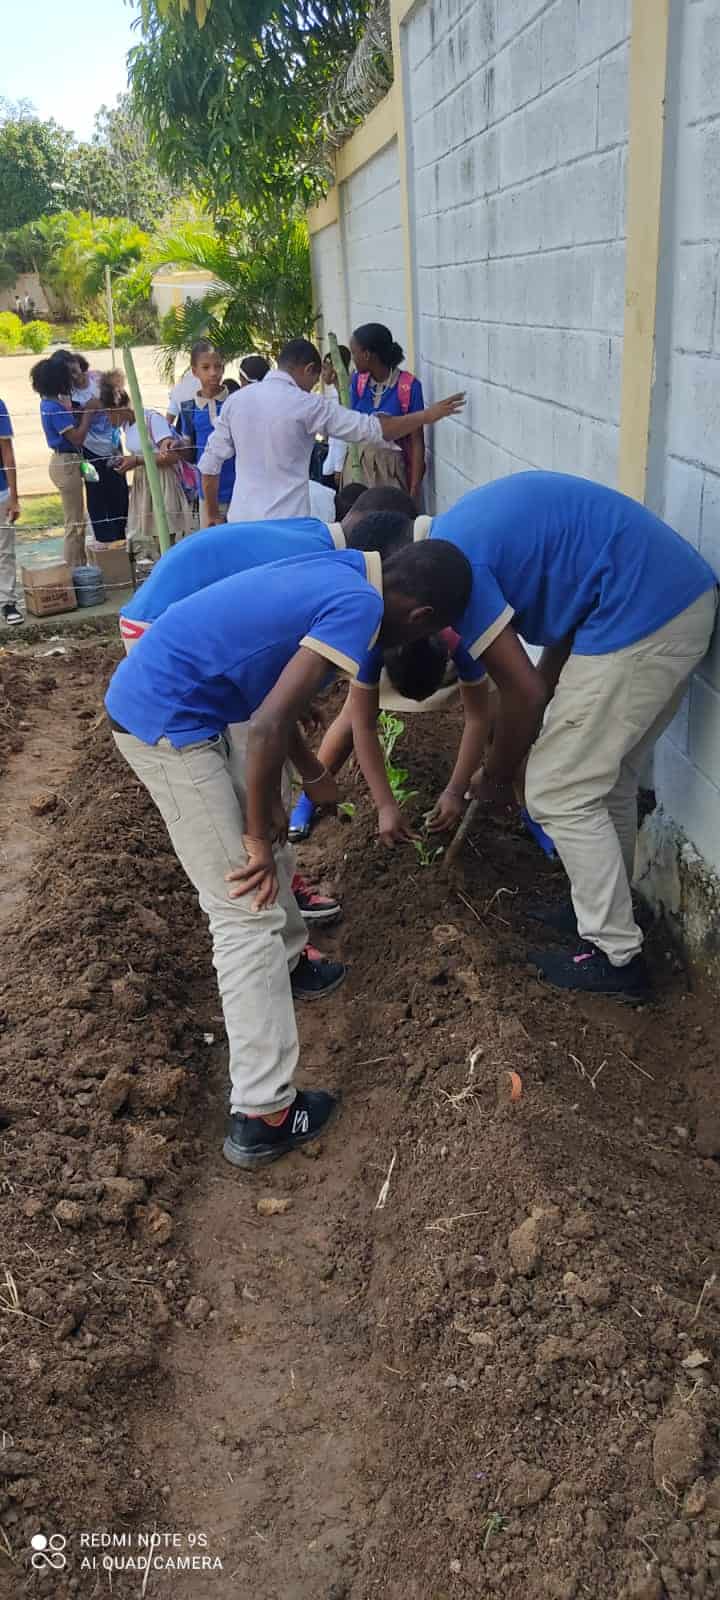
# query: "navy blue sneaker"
[[314, 977], [590, 972], [253, 1142]]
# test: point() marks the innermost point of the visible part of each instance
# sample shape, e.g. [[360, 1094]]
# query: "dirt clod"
[[41, 804], [526, 1485], [678, 1448], [270, 1205], [197, 1310]]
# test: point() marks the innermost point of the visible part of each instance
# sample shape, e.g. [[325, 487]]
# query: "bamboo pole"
[[343, 379], [151, 467], [110, 316]]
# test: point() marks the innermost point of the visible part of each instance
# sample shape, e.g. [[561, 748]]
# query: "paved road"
[[23, 404]]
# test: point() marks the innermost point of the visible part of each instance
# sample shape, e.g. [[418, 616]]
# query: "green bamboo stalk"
[[343, 378], [148, 454]]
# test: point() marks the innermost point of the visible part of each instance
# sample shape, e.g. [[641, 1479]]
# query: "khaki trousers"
[[66, 475], [200, 794], [583, 773], [7, 556]]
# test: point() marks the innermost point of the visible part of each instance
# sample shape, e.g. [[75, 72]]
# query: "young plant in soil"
[[390, 729]]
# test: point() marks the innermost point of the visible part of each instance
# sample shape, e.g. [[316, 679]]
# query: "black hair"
[[299, 353], [345, 353], [381, 530], [51, 377], [202, 347], [378, 341], [80, 361], [435, 573], [255, 368], [388, 497], [231, 386], [346, 497], [417, 670]]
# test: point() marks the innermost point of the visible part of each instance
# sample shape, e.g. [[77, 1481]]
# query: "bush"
[[95, 335], [10, 332], [36, 336]]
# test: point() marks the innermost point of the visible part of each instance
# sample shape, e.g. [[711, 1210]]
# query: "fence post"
[[151, 467]]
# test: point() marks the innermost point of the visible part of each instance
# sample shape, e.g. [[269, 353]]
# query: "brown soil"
[[504, 1382]]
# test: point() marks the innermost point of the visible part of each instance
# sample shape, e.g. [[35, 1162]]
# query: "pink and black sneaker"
[[314, 907], [590, 972]]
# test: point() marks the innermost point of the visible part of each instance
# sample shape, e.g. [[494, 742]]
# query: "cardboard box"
[[114, 563], [48, 589]]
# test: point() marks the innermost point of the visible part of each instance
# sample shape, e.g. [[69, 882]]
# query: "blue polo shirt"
[[218, 553], [56, 419], [212, 659], [557, 555], [6, 432], [196, 414], [390, 403]]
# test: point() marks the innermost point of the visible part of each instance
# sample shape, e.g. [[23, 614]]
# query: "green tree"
[[116, 173], [260, 296], [35, 161], [233, 92]]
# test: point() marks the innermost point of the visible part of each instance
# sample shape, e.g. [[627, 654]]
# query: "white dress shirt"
[[270, 428]]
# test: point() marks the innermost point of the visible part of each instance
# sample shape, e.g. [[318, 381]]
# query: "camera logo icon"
[[48, 1551]]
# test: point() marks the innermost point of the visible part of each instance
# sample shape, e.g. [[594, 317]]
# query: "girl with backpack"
[[380, 383]]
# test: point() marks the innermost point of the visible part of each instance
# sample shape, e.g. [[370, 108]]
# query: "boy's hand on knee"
[[257, 876]]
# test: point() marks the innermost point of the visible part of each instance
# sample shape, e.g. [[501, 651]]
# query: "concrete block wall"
[[373, 244], [684, 484], [518, 125], [328, 279]]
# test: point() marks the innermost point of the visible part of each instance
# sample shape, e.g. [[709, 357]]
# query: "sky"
[[68, 59]]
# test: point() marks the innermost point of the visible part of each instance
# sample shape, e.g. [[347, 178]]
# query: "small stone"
[[119, 1194], [451, 1381], [157, 1224], [42, 803], [158, 1309], [678, 1448], [197, 1310], [270, 1205], [455, 1566], [555, 1348], [526, 1485], [70, 1213], [695, 1359], [114, 1090], [33, 1207], [696, 1498]]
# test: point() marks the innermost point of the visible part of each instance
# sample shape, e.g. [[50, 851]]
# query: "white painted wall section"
[[373, 244], [328, 279], [518, 130]]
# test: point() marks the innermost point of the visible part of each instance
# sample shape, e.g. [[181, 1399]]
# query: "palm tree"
[[260, 295]]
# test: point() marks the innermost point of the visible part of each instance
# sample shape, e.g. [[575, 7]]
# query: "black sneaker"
[[252, 1142], [590, 972], [314, 907], [314, 977], [556, 914], [11, 615]]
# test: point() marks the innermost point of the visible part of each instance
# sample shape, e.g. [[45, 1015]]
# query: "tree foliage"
[[260, 295], [35, 162], [44, 169], [233, 91]]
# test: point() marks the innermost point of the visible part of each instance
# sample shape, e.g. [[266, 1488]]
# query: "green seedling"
[[495, 1524], [427, 854], [390, 729], [346, 809]]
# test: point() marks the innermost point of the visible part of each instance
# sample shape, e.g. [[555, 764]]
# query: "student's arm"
[[219, 448], [337, 740], [450, 805], [316, 777], [77, 435], [552, 662], [7, 456], [271, 731], [325, 415], [417, 465], [365, 705], [523, 697]]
